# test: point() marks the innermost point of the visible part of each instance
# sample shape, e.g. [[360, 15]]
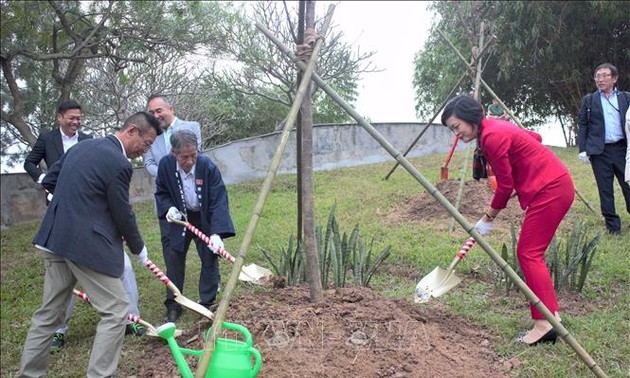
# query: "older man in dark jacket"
[[190, 183]]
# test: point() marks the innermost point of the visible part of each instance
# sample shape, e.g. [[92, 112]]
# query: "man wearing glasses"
[[602, 140]]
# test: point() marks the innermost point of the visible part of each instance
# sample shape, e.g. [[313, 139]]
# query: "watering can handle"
[[238, 328], [257, 362]]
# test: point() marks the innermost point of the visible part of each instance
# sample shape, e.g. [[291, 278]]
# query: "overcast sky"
[[395, 30]]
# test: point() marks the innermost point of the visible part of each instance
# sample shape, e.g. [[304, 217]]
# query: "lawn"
[[598, 317]]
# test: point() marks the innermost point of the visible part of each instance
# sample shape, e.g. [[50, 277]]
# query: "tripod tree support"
[[470, 228]]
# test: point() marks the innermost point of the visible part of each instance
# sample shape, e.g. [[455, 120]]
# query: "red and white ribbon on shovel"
[[151, 330], [218, 250], [179, 297], [439, 281]]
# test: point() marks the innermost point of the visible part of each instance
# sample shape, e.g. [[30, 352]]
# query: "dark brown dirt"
[[356, 332], [353, 333], [475, 199]]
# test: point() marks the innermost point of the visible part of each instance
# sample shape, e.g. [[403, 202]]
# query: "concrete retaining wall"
[[334, 146]]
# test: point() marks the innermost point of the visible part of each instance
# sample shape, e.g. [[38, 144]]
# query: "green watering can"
[[230, 359]]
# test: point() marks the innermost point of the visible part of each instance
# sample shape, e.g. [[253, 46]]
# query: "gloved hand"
[[41, 178], [173, 213], [484, 227], [143, 256], [584, 158], [216, 244], [49, 196]]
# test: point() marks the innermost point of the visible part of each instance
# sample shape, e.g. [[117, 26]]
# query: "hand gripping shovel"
[[179, 297], [439, 281], [219, 251], [151, 330]]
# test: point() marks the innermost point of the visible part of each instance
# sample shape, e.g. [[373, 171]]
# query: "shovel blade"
[[192, 305], [434, 284], [443, 173]]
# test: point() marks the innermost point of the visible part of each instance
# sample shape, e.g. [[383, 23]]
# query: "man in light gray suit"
[[160, 107]]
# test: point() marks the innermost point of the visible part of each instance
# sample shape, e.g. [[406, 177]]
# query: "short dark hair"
[[183, 138], [66, 105], [465, 108], [162, 96], [613, 69], [143, 121]]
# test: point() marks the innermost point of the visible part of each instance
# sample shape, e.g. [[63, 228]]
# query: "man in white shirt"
[[52, 144]]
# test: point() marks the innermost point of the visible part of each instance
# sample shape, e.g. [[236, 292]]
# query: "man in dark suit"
[[190, 183], [81, 239], [52, 144], [602, 140]]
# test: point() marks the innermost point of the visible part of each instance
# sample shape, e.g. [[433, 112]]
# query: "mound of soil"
[[354, 332], [475, 200]]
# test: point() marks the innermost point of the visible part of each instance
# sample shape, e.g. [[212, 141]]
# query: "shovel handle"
[[131, 317], [162, 277], [466, 247], [450, 153], [220, 251]]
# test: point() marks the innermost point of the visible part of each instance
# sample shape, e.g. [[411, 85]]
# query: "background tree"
[[112, 55], [264, 72], [541, 63], [50, 50]]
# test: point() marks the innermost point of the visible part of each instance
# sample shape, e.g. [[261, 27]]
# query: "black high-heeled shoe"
[[550, 337]]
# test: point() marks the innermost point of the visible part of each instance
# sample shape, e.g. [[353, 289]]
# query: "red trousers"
[[542, 218]]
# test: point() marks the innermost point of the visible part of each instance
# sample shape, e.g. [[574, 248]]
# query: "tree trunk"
[[298, 134], [308, 222]]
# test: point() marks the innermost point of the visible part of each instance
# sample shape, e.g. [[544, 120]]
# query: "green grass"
[[598, 317]]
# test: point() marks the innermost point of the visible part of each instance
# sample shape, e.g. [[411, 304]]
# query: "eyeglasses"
[[601, 76], [147, 142]]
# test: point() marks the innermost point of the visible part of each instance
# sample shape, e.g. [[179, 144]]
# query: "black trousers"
[[175, 261], [610, 164]]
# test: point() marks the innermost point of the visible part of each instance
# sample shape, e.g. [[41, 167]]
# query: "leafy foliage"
[[572, 265], [208, 57], [337, 254], [542, 58]]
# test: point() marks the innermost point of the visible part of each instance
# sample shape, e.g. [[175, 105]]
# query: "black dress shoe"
[[550, 337], [173, 314]]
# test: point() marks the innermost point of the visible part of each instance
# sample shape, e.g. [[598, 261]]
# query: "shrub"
[[571, 265], [338, 253]]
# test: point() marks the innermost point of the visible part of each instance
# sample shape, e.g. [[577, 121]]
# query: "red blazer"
[[519, 161]]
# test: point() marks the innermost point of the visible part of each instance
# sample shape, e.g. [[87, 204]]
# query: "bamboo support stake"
[[509, 112], [462, 175], [262, 197], [428, 124], [564, 334], [446, 100]]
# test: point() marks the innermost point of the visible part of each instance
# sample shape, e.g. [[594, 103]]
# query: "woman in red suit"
[[544, 189]]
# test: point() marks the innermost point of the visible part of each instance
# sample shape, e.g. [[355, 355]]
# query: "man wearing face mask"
[[52, 144], [190, 183], [602, 140]]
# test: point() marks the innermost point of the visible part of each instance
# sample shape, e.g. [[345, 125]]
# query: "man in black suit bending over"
[[81, 240]]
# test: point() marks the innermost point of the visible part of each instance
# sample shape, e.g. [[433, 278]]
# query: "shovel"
[[151, 330], [179, 297], [439, 281], [444, 168], [220, 251]]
